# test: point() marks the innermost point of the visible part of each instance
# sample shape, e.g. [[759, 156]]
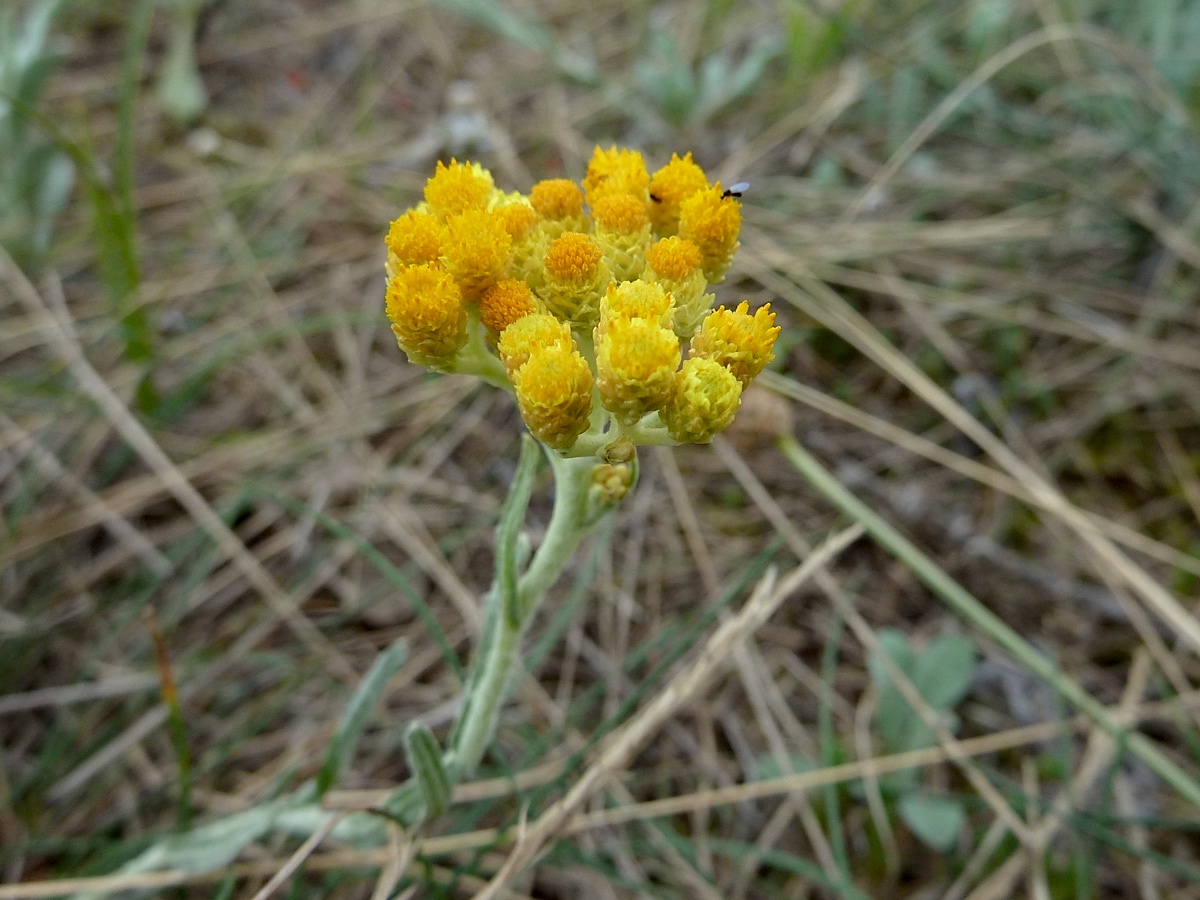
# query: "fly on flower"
[[736, 190]]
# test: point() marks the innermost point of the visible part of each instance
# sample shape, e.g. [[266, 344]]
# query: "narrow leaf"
[[354, 719], [508, 531], [425, 761]]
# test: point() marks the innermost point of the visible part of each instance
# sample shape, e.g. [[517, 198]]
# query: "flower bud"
[[428, 316], [636, 361], [503, 303], [528, 334], [674, 264], [635, 300], [742, 343], [614, 171], [711, 221], [703, 402], [575, 279], [476, 250], [559, 203], [455, 188], [622, 228], [554, 394], [414, 239], [671, 185]]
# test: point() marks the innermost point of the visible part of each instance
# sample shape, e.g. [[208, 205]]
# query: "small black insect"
[[656, 199], [736, 190]]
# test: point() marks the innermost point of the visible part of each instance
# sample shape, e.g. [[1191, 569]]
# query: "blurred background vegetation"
[[225, 491]]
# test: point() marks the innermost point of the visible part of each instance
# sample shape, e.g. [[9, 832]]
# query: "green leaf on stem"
[[425, 762], [354, 719]]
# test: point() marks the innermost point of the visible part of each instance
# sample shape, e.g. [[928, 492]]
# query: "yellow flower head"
[[636, 361], [712, 221], [615, 171], [458, 187], [703, 401], [554, 394], [636, 300], [529, 334], [576, 275], [476, 250], [428, 316], [673, 258], [674, 263], [623, 233], [413, 239], [519, 218], [620, 213], [503, 303], [671, 185], [740, 342], [557, 199]]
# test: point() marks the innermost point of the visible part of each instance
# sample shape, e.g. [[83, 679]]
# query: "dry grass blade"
[[679, 691], [136, 435]]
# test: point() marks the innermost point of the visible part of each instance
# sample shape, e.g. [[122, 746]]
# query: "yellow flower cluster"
[[582, 299]]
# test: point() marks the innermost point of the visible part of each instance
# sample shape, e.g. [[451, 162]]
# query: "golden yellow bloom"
[[518, 218], [741, 342], [703, 401], [458, 187], [554, 393], [575, 278], [635, 300], [671, 185], [428, 316], [623, 233], [529, 334], [476, 250], [616, 171], [674, 263], [503, 303], [712, 222], [413, 239], [557, 198], [673, 258], [636, 361]]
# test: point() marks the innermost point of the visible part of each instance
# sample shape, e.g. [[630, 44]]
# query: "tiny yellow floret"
[[636, 361], [476, 251], [529, 334], [671, 185], [554, 394], [741, 342], [615, 171], [557, 199], [427, 313], [703, 401], [415, 238], [458, 187], [575, 278], [503, 303], [712, 221]]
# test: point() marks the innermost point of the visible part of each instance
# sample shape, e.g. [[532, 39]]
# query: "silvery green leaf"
[[354, 719], [944, 670], [937, 821], [425, 762]]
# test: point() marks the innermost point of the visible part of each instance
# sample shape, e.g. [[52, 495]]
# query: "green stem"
[[971, 609], [501, 641]]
